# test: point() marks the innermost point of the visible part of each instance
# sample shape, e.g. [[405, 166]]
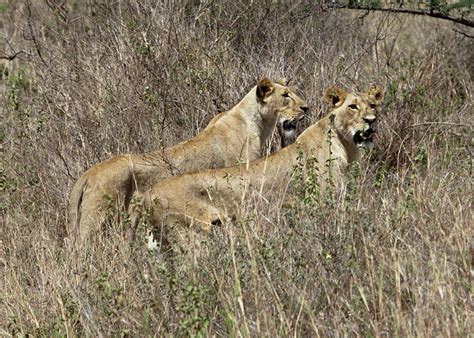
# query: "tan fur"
[[232, 137], [209, 197]]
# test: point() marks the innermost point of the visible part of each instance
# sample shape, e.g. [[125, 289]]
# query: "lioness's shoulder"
[[215, 119]]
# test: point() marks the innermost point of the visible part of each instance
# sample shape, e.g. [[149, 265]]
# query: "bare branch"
[[32, 32], [464, 33], [12, 56], [463, 125], [430, 13]]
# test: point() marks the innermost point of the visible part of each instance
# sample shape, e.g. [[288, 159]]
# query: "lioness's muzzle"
[[290, 125], [362, 137]]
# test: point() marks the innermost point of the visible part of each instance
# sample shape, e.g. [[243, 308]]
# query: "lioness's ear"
[[264, 89], [334, 96], [376, 94], [283, 81]]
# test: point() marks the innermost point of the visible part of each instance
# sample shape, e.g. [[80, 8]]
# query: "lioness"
[[231, 137], [211, 196]]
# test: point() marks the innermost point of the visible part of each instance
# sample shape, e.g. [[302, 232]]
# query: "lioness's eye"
[[353, 106], [373, 105], [286, 94]]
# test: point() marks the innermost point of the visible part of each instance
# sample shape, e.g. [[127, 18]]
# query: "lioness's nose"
[[370, 119]]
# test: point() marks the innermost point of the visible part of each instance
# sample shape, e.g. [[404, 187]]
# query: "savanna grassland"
[[82, 81]]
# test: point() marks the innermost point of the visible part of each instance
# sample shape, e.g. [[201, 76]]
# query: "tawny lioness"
[[235, 136]]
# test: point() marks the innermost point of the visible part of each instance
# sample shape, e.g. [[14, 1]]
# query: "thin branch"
[[68, 172], [11, 57], [32, 32], [438, 15], [463, 33], [439, 123]]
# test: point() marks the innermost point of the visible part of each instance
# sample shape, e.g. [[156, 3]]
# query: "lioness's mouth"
[[364, 139], [289, 125]]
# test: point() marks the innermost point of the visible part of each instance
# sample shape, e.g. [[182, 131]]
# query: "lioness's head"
[[354, 114], [277, 99]]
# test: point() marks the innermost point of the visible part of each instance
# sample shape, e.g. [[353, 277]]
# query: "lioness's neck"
[[353, 153], [343, 150]]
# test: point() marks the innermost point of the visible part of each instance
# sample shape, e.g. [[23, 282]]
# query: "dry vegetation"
[[98, 78]]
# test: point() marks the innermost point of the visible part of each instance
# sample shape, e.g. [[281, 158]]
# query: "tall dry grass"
[[102, 78]]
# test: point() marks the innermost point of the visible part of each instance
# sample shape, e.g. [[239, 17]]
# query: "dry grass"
[[103, 78]]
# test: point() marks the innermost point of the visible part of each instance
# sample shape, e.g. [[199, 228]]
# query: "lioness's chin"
[[289, 130], [288, 137], [365, 145], [289, 134]]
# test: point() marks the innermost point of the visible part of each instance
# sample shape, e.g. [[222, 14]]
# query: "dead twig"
[[463, 33], [12, 56], [32, 32], [431, 13], [452, 124]]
